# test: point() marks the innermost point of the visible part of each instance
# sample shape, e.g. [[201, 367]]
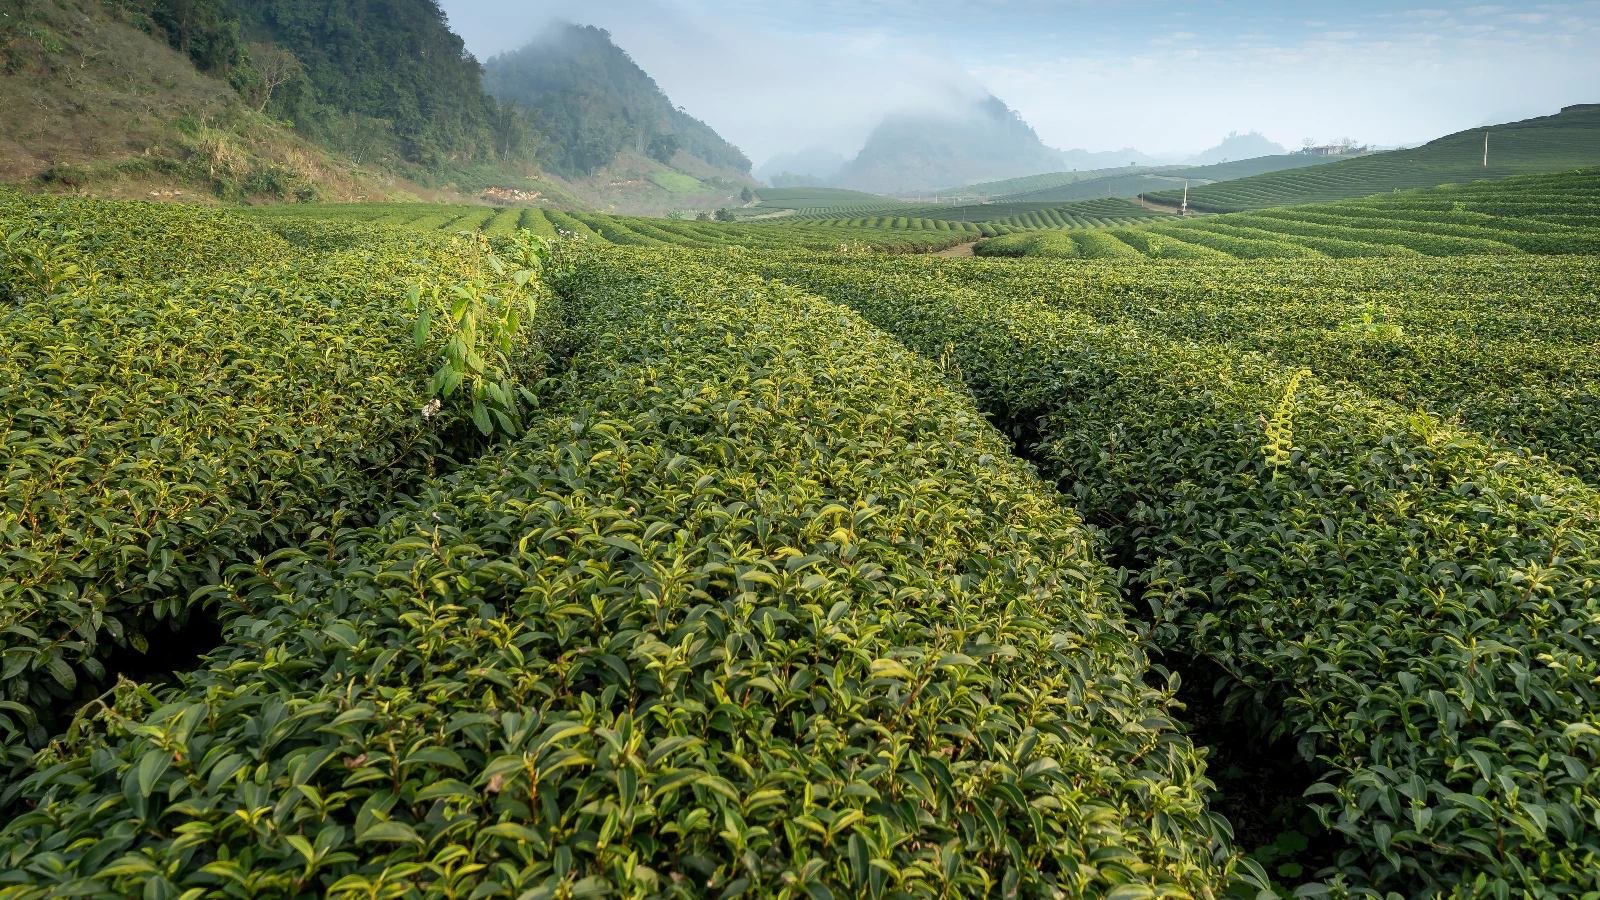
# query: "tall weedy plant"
[[472, 326]]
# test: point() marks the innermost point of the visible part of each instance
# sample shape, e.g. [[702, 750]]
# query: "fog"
[[1168, 78], [766, 92]]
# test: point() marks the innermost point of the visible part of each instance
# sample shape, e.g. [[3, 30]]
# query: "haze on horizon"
[[1165, 77]]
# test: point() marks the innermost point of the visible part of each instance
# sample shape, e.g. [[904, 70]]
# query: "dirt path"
[[957, 250]]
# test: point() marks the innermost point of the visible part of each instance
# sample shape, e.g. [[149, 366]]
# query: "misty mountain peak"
[[980, 139], [594, 102]]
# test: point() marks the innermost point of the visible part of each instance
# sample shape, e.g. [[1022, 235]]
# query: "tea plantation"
[[393, 550], [1568, 140]]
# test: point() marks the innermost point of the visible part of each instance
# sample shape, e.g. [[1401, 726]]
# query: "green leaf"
[[419, 331], [389, 832]]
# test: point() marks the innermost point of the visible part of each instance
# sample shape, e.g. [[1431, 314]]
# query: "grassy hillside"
[[819, 198], [1029, 184], [1535, 214], [1568, 140], [1128, 183], [96, 99], [100, 98]]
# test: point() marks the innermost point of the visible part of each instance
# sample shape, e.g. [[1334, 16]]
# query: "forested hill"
[[594, 102], [383, 75], [987, 141]]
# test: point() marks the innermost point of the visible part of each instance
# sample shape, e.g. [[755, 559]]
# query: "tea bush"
[[1410, 606], [156, 431], [1508, 346], [757, 606]]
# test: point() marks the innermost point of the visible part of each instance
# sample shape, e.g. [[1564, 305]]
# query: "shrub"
[[1404, 602], [756, 606]]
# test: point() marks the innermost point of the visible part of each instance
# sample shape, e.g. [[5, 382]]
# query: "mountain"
[[593, 103], [984, 141], [380, 78], [1086, 160], [250, 100], [811, 167], [1238, 146], [153, 99]]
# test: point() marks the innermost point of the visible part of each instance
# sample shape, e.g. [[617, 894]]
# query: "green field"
[[637, 231], [818, 198], [1555, 143], [1128, 183], [394, 550], [1538, 214], [902, 230], [1028, 184], [676, 182]]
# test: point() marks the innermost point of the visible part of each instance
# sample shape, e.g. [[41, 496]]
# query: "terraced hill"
[[1568, 140], [1536, 214], [1133, 182]]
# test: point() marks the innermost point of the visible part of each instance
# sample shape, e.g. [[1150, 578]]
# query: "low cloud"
[[780, 75], [766, 91]]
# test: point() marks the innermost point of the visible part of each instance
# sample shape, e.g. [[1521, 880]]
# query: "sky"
[[1167, 78]]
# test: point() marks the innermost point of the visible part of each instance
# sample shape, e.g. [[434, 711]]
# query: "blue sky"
[[1164, 77]]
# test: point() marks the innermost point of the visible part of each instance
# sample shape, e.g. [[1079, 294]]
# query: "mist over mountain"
[[593, 102], [985, 141], [1108, 159], [1238, 146], [811, 167]]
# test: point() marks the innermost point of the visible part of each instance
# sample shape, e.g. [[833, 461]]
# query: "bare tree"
[[275, 67]]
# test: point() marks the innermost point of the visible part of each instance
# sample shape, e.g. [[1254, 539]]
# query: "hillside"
[[817, 198], [385, 81], [984, 141], [259, 101], [593, 102], [811, 167], [109, 100], [1238, 146], [1128, 183], [1567, 140]]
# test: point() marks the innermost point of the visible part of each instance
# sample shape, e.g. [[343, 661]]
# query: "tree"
[[703, 217], [724, 215], [747, 195], [663, 147], [1307, 144], [274, 68], [514, 134]]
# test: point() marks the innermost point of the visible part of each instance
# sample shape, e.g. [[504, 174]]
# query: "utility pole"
[[1184, 210], [1486, 149]]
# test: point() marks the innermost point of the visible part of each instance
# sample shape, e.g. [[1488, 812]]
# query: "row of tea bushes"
[[44, 240], [758, 606], [160, 425], [1412, 609], [1508, 346]]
